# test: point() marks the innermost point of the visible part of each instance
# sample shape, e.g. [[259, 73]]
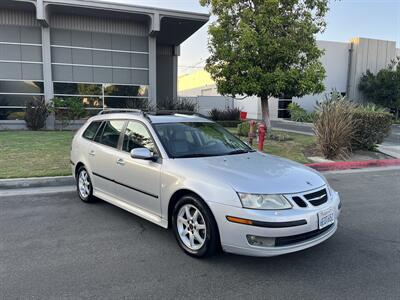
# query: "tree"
[[266, 48], [383, 88]]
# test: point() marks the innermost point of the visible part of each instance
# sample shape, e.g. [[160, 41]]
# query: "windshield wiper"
[[239, 151]]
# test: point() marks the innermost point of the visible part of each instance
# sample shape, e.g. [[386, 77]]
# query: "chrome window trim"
[[99, 49], [99, 66]]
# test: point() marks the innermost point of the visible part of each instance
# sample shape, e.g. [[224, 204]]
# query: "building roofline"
[[130, 8]]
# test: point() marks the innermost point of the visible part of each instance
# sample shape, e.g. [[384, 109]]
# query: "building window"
[[283, 108], [96, 96], [14, 95]]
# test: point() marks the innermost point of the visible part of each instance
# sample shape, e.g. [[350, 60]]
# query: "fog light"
[[260, 241]]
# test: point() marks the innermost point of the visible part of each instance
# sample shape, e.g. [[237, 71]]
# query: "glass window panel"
[[134, 103], [88, 102], [283, 104], [12, 113], [91, 130], [111, 133], [27, 87], [125, 90], [77, 88], [137, 136], [15, 100]]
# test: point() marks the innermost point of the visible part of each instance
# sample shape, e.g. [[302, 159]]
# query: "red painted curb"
[[345, 165]]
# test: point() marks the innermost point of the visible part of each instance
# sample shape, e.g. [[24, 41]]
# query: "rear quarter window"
[[91, 130]]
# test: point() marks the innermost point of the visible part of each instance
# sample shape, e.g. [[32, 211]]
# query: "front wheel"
[[84, 185], [194, 227]]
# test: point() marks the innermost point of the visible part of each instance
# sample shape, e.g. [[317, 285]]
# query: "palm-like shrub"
[[36, 113], [333, 125]]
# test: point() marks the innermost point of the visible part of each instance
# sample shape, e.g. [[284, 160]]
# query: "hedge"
[[371, 128]]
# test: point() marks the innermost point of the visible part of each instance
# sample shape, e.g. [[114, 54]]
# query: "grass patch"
[[46, 153], [295, 149], [34, 154]]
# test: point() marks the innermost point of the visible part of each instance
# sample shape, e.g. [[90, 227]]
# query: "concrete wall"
[[368, 54]]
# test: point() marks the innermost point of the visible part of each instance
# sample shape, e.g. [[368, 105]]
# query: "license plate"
[[326, 218]]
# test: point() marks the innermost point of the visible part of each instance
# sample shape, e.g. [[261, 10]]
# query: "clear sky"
[[379, 19]]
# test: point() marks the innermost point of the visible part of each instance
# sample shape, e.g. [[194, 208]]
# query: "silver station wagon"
[[189, 174]]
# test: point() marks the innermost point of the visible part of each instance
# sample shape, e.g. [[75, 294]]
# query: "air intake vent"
[[299, 201], [317, 198]]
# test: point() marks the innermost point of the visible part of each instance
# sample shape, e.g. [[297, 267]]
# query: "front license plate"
[[326, 218]]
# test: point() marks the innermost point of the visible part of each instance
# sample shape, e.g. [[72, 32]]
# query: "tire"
[[84, 186], [199, 235]]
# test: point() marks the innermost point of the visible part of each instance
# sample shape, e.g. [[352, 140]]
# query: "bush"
[[229, 114], [36, 113], [243, 129], [372, 125], [299, 114], [68, 110], [333, 125], [180, 104]]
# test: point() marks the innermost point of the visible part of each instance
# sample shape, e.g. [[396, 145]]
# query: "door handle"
[[120, 162], [91, 153]]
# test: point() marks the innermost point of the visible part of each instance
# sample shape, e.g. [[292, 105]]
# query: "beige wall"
[[367, 54]]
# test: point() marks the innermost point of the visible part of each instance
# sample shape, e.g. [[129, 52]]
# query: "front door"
[[138, 180]]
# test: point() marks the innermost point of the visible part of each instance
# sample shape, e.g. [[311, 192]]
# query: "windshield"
[[198, 139]]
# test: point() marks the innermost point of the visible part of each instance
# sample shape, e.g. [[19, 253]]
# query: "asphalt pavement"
[[55, 246]]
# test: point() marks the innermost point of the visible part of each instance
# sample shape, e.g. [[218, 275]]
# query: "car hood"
[[255, 172]]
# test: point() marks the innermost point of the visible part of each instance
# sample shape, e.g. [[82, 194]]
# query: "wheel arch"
[[178, 195], [77, 166]]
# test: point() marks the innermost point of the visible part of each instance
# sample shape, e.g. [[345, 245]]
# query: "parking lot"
[[55, 246]]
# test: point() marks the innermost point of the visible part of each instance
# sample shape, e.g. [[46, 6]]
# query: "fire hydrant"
[[261, 136], [252, 134]]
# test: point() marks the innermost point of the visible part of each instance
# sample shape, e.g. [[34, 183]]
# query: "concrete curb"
[[21, 183], [346, 165]]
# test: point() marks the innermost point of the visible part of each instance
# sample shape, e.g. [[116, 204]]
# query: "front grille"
[[288, 240], [300, 202], [317, 198]]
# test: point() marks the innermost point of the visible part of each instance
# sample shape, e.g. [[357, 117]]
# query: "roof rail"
[[119, 110], [177, 112]]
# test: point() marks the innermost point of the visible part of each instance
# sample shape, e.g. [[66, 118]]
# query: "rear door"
[[139, 180], [102, 155]]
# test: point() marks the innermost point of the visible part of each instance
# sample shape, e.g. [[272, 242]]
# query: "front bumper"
[[233, 235]]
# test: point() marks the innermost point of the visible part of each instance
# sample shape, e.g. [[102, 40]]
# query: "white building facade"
[[344, 64]]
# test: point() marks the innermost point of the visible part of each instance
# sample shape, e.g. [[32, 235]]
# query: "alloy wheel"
[[84, 184], [191, 227]]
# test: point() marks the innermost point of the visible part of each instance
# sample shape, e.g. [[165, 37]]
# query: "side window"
[[111, 132], [97, 138], [91, 130], [137, 136]]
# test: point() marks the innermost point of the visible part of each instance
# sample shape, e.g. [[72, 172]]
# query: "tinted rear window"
[[91, 130]]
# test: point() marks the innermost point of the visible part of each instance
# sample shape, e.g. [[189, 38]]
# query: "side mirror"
[[142, 153]]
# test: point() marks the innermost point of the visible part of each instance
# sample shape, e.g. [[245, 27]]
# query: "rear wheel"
[[194, 227], [84, 185]]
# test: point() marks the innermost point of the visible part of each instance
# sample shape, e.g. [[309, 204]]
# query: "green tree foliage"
[[266, 48], [383, 88]]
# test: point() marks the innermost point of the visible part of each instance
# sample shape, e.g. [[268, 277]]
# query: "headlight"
[[256, 201]]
